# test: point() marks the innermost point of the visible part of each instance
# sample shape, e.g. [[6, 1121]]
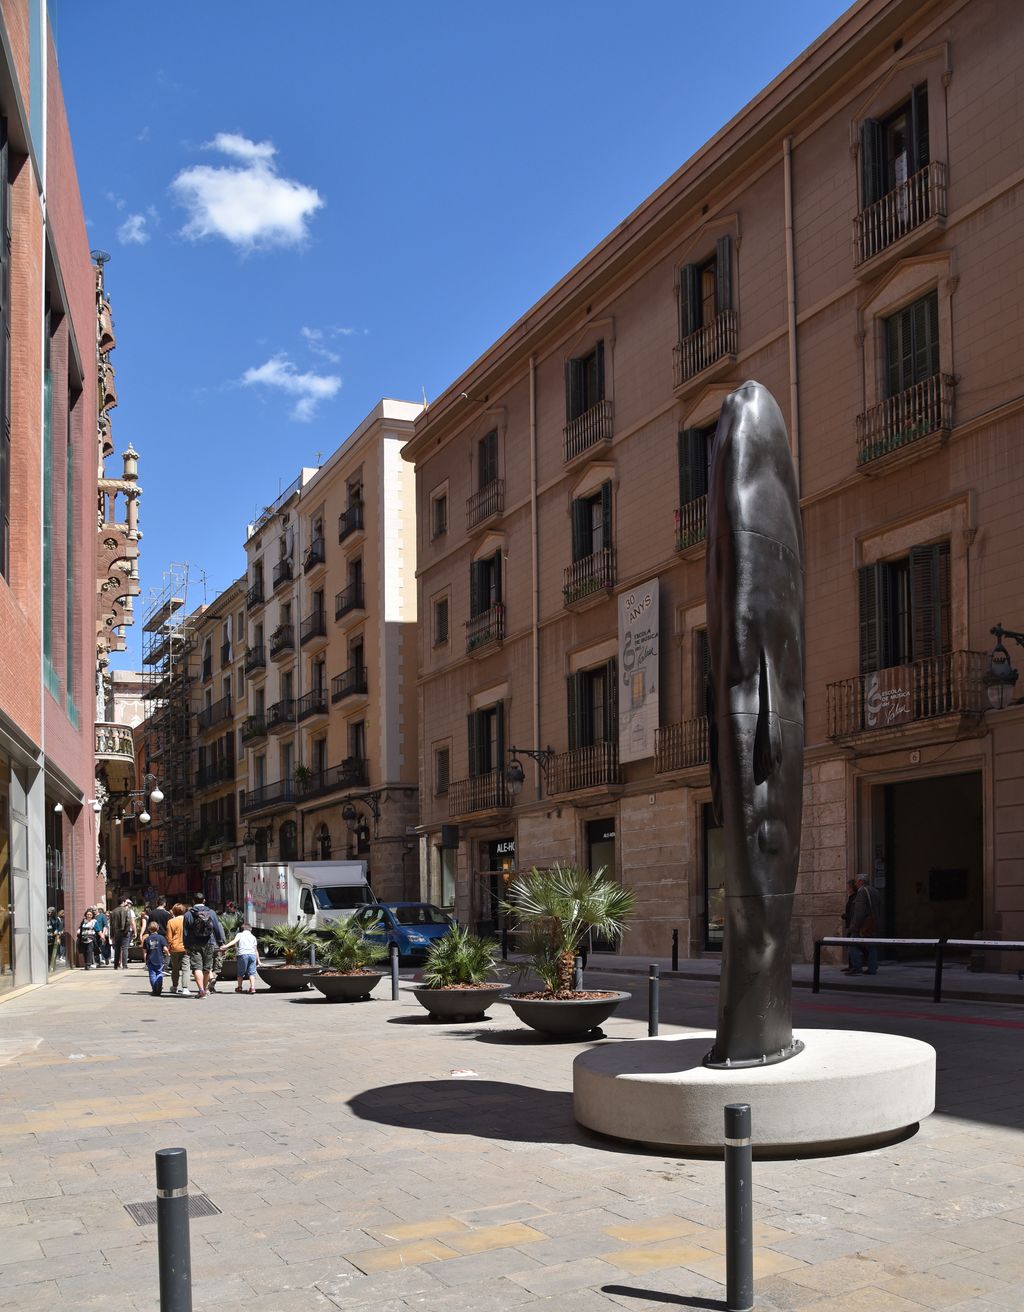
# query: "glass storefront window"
[[56, 916], [6, 892]]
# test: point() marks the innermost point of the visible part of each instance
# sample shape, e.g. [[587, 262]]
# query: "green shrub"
[[459, 958], [346, 949]]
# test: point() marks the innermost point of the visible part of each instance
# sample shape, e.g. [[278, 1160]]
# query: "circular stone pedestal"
[[847, 1090]]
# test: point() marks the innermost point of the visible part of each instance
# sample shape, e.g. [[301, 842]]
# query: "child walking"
[[247, 951], [155, 947]]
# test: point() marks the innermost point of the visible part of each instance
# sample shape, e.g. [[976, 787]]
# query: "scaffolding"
[[168, 660]]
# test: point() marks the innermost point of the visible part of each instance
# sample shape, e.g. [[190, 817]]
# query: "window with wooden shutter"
[[584, 382], [930, 601], [574, 695], [912, 344], [440, 621], [580, 511], [487, 459], [872, 186], [723, 274], [689, 299], [694, 463], [442, 770]]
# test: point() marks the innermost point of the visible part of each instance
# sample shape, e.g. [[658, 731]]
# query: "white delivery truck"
[[310, 893]]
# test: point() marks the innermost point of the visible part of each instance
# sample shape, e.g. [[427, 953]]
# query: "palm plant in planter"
[[456, 983], [349, 963], [292, 943], [230, 923], [558, 908]]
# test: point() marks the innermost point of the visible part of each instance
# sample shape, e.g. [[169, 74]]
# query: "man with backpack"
[[202, 935], [122, 931]]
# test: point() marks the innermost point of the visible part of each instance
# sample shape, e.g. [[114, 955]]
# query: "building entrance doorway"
[[928, 856], [498, 856]]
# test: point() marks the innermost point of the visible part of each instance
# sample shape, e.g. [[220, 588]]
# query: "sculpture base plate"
[[847, 1091]]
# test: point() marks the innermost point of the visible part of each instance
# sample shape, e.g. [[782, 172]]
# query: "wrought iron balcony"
[[254, 597], [691, 523], [348, 683], [592, 426], [350, 521], [486, 629], [225, 654], [313, 626], [594, 573], [907, 207], [207, 668], [255, 658], [586, 767], [899, 421], [215, 714], [214, 835], [490, 500], [682, 746], [283, 572], [717, 340], [114, 742], [311, 703], [351, 598], [254, 727], [269, 797], [480, 792], [282, 640], [281, 716], [353, 772], [316, 554], [949, 684], [213, 773]]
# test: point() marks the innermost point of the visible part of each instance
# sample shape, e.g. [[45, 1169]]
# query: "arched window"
[[289, 841], [322, 838]]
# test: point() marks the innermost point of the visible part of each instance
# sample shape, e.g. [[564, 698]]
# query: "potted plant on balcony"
[[292, 944], [302, 775], [457, 983], [558, 908], [349, 959], [230, 923]]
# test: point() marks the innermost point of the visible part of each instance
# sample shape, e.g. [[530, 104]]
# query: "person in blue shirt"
[[155, 947], [102, 938]]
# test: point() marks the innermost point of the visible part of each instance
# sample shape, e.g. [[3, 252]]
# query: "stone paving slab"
[[358, 1165]]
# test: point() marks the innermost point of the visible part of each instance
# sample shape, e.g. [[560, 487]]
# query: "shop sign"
[[638, 671], [889, 697], [216, 860], [505, 847]]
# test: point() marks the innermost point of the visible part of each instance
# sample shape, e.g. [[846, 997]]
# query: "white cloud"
[[314, 338], [133, 231], [309, 388], [249, 203]]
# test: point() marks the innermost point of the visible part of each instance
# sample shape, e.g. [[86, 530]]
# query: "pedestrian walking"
[[102, 938], [203, 935], [54, 935], [122, 932], [247, 956], [161, 915], [176, 944], [87, 938], [155, 947], [851, 895], [865, 922]]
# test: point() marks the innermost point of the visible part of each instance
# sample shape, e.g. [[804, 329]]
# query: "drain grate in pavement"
[[145, 1213]]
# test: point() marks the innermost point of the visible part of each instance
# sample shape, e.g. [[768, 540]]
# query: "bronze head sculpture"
[[755, 620]]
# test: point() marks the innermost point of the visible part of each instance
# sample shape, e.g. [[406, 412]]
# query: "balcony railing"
[[313, 626], [214, 714], [311, 703], [255, 658], [278, 794], [589, 575], [283, 572], [904, 694], [351, 598], [350, 521], [682, 746], [225, 654], [351, 773], [315, 555], [348, 683], [214, 835], [593, 425], [281, 715], [905, 418], [254, 597], [282, 640], [691, 523], [490, 500], [717, 340], [586, 767], [481, 792], [114, 741], [486, 628], [906, 207], [217, 772], [253, 727]]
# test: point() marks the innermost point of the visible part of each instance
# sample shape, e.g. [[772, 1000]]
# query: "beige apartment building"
[[851, 239], [330, 734]]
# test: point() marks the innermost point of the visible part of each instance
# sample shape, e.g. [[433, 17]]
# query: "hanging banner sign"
[[638, 671]]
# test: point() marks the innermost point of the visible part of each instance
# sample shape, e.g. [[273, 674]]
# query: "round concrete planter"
[[347, 988], [459, 1004], [565, 1018], [285, 979]]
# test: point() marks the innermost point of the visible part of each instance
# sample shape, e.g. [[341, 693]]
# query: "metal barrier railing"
[[940, 945]]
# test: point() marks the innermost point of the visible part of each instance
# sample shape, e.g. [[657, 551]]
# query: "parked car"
[[412, 926]]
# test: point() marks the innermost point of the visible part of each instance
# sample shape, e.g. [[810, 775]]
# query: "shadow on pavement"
[[657, 1296]]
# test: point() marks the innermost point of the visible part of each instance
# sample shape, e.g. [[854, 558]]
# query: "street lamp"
[[515, 775], [1000, 676]]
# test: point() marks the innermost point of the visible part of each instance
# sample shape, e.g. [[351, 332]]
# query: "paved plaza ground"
[[365, 1158]]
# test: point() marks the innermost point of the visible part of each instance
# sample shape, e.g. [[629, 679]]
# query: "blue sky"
[[305, 218]]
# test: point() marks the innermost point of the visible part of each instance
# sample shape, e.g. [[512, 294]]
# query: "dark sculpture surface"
[[755, 620]]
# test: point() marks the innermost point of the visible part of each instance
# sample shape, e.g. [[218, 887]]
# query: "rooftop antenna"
[[319, 458]]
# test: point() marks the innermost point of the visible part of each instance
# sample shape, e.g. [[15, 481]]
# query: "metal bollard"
[[312, 954], [675, 949], [653, 989], [394, 972], [172, 1238], [577, 974], [739, 1210]]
